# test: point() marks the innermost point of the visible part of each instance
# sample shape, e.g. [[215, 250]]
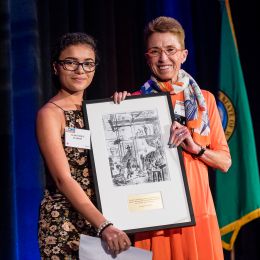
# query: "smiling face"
[[78, 80], [165, 67]]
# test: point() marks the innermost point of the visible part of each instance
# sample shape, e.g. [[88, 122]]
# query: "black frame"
[[148, 99]]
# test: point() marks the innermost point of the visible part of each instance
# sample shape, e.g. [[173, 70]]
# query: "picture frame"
[[140, 182]]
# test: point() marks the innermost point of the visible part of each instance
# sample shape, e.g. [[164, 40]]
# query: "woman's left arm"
[[218, 155], [217, 159]]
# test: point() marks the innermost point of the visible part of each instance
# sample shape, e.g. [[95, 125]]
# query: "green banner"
[[237, 197]]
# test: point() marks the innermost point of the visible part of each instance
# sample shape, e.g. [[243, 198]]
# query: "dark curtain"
[[8, 235], [117, 27], [28, 30]]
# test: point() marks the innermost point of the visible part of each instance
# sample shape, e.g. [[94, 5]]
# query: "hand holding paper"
[[93, 248]]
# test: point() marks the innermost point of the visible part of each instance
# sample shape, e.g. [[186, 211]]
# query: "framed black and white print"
[[140, 182]]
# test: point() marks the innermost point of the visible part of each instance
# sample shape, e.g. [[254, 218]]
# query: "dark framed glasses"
[[72, 65]]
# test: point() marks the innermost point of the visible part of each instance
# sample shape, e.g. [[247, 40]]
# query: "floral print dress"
[[60, 225]]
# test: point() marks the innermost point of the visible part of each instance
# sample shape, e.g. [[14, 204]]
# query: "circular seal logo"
[[227, 114]]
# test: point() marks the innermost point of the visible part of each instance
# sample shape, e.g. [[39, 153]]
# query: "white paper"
[[93, 248]]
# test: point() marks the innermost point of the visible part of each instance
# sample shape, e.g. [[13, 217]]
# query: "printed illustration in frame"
[[140, 182]]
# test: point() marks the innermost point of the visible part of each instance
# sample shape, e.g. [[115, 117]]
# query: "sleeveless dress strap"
[[57, 106]]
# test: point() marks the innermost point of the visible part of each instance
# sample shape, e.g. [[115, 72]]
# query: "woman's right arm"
[[49, 128]]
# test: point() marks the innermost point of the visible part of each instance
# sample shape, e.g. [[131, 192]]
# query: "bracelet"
[[104, 225], [201, 152]]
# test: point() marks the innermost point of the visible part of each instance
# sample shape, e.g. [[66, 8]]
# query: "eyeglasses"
[[72, 65], [156, 52]]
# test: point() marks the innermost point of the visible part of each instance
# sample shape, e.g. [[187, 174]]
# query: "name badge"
[[78, 138], [179, 108], [179, 112]]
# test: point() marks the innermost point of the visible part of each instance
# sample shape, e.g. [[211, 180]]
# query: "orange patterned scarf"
[[196, 112]]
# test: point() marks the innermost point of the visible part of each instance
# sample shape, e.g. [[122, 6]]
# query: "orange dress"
[[202, 241]]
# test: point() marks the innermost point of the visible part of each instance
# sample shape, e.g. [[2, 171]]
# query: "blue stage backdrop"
[[24, 189], [8, 235]]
